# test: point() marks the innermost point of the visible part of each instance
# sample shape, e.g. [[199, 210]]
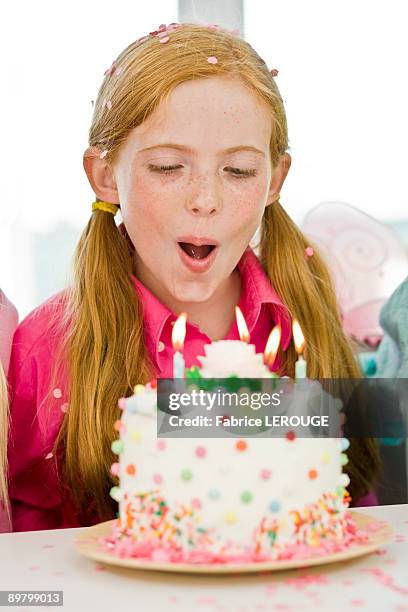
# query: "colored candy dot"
[[196, 503], [325, 457], [186, 474], [153, 383], [122, 403], [158, 478], [344, 444], [117, 426], [241, 445], [139, 389], [274, 506], [201, 451], [344, 479], [246, 497], [312, 474], [117, 446], [340, 491], [230, 518], [343, 459], [57, 393], [136, 435], [290, 436], [115, 469], [214, 494], [161, 445], [131, 469], [116, 493], [266, 474]]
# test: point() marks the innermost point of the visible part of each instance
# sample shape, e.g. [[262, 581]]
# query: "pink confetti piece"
[[108, 104], [57, 393], [103, 154], [274, 72], [111, 69], [119, 69], [100, 568], [385, 579], [64, 407], [212, 60], [165, 39], [49, 456], [162, 34], [309, 251]]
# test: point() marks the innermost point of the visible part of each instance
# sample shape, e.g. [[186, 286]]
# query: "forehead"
[[209, 114]]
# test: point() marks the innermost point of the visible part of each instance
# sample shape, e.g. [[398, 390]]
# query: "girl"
[[189, 139], [8, 323]]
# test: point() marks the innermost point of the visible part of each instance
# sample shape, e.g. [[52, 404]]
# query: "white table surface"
[[38, 560]]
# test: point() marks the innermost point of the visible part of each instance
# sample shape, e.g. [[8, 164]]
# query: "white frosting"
[[227, 357]]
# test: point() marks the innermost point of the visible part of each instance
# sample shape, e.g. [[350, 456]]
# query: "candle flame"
[[179, 332], [242, 326], [272, 345], [298, 337]]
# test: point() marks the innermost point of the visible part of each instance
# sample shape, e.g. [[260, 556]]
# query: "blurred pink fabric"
[[8, 323]]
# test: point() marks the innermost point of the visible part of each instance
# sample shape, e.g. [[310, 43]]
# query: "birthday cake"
[[220, 500]]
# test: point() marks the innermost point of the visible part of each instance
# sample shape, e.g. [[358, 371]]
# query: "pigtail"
[[106, 358], [305, 286]]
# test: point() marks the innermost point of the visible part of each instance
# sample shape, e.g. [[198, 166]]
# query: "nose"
[[204, 200]]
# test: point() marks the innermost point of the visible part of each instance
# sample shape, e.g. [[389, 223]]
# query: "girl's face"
[[193, 181]]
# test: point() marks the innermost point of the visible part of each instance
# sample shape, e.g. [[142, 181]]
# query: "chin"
[[193, 292]]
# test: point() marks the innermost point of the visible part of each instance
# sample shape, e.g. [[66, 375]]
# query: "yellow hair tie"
[[106, 206]]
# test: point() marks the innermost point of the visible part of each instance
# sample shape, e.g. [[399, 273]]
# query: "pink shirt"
[[35, 490]]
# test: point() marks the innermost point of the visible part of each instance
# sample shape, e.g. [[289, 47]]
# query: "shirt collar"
[[256, 290]]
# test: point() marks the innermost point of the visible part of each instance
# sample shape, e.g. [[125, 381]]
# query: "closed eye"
[[237, 172]]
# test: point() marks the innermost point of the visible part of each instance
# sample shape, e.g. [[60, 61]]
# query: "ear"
[[100, 176], [278, 178]]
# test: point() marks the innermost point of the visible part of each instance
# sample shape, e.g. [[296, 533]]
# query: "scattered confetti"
[[103, 154], [212, 60], [309, 251], [274, 72], [165, 39]]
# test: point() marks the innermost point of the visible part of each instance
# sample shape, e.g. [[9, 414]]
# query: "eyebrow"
[[170, 145]]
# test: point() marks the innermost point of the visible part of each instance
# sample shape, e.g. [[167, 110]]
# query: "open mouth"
[[197, 251]]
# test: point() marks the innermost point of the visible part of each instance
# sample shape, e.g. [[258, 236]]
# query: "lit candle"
[[299, 340], [177, 338], [242, 326], [272, 346]]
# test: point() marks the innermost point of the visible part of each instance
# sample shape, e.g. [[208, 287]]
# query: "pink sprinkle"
[[64, 407], [266, 474], [115, 469], [57, 393], [49, 456], [196, 503], [309, 251], [201, 451], [165, 39], [212, 60], [161, 444], [158, 478]]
